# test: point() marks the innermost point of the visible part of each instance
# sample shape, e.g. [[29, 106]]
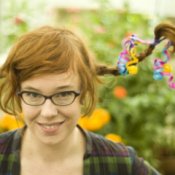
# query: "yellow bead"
[[167, 68], [132, 70]]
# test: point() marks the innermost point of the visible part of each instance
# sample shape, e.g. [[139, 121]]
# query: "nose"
[[48, 109]]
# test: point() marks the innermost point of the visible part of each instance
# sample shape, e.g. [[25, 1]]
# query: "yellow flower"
[[9, 122], [114, 137], [96, 121], [83, 122], [102, 115]]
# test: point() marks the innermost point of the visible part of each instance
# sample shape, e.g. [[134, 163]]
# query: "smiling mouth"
[[51, 127]]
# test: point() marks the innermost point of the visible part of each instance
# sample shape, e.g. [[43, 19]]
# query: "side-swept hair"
[[47, 50]]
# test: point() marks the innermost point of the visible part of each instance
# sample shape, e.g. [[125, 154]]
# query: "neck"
[[69, 146]]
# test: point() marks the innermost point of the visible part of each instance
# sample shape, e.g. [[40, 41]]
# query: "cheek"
[[24, 109], [28, 112], [73, 111]]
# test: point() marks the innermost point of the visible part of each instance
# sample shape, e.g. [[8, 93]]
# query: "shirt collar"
[[17, 139]]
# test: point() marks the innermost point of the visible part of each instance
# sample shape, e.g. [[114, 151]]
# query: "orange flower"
[[96, 121], [120, 92], [114, 138], [9, 122]]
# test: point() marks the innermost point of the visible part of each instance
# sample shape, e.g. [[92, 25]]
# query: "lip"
[[50, 128], [53, 123]]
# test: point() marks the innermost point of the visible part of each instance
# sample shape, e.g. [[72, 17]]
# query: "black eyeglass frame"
[[20, 94]]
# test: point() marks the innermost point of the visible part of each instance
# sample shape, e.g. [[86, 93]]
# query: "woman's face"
[[50, 123]]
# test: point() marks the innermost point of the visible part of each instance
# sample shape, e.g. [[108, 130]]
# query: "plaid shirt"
[[102, 156]]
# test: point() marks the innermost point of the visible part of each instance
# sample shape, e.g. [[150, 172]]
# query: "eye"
[[31, 95], [64, 94]]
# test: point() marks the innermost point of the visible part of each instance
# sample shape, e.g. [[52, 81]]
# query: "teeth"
[[49, 126]]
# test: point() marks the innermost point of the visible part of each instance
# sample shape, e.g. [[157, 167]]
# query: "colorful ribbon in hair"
[[127, 60], [162, 68]]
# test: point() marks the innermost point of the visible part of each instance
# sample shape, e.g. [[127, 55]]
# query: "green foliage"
[[11, 24], [16, 18], [144, 118]]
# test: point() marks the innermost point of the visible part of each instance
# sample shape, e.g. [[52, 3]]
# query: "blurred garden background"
[[136, 110]]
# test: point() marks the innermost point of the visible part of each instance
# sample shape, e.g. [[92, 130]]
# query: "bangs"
[[58, 58]]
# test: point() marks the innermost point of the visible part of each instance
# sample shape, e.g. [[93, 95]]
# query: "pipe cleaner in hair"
[[122, 61], [127, 61], [162, 68]]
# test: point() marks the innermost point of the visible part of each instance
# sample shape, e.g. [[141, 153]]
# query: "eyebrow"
[[57, 88]]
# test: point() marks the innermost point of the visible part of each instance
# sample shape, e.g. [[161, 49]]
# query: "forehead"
[[51, 82]]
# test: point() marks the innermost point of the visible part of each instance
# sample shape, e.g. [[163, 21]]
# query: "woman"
[[50, 77]]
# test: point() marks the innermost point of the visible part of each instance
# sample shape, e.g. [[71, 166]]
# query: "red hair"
[[42, 51]]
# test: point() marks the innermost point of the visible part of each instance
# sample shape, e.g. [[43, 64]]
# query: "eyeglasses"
[[61, 99]]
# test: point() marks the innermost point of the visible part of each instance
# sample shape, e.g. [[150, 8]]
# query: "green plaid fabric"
[[102, 156]]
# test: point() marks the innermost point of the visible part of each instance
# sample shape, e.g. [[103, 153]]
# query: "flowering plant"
[[138, 105], [9, 122]]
